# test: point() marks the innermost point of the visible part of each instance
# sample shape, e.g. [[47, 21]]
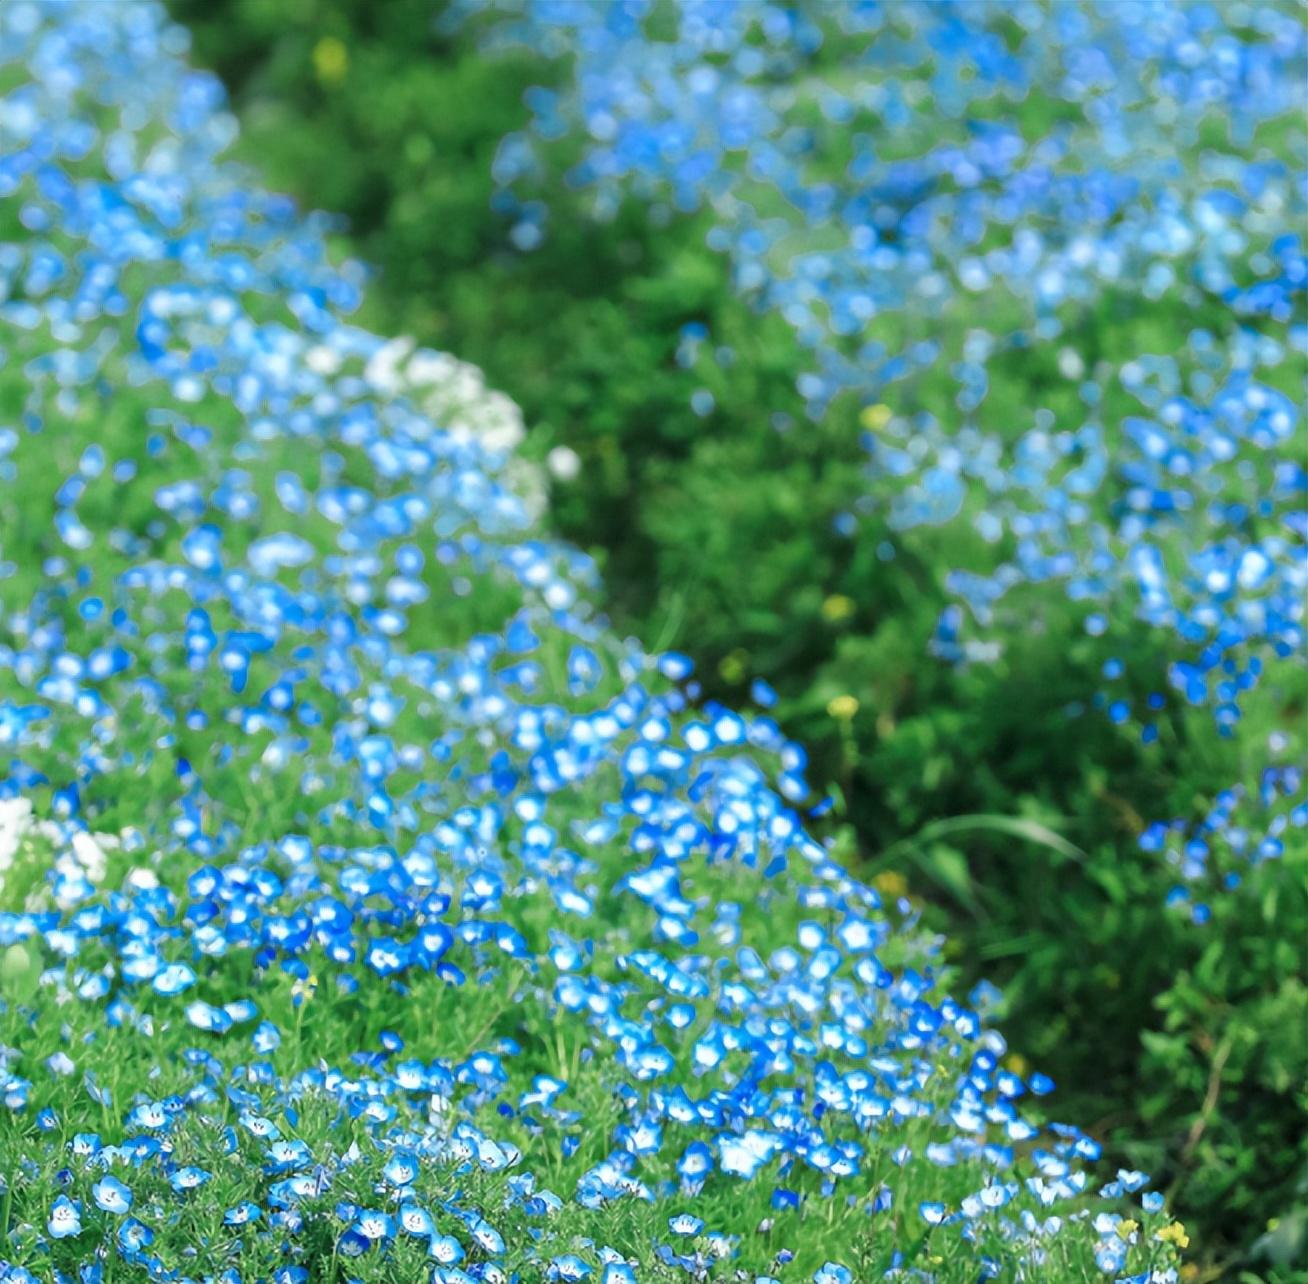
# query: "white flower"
[[564, 463], [15, 821]]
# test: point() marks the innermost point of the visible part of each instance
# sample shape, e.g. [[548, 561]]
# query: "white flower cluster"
[[15, 821], [78, 856], [455, 397]]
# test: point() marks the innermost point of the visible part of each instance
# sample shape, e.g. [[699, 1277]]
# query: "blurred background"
[[904, 366]]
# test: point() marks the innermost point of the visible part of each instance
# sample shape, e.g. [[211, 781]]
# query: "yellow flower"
[[875, 417], [1127, 1228], [891, 883], [304, 990], [1174, 1234], [1016, 1062], [837, 607], [734, 665], [331, 60], [842, 707]]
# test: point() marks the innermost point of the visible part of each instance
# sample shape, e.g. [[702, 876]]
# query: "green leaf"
[[20, 973], [947, 867]]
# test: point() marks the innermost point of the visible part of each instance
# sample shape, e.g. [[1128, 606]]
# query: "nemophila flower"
[[241, 1010], [188, 1178], [150, 1114], [261, 1127], [65, 1218], [111, 1194], [446, 1250], [85, 1144], [569, 1267], [374, 1225], [61, 1064], [286, 1156], [174, 978], [1110, 1254], [242, 1214], [487, 1238], [354, 1242], [401, 1169], [417, 1221]]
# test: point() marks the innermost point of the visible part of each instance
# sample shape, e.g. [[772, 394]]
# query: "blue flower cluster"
[[893, 131], [1203, 539], [1237, 832], [873, 169], [387, 917]]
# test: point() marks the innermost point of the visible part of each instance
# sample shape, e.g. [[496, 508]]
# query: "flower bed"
[[438, 933]]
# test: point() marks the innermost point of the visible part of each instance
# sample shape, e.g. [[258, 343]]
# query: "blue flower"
[[446, 1250], [111, 1195], [568, 1267], [242, 1214], [374, 1225], [188, 1178], [401, 1169], [65, 1218]]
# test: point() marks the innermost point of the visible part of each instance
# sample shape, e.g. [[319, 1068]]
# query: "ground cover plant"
[[370, 909], [939, 366]]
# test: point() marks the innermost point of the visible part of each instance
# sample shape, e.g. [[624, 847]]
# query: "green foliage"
[[1228, 1069], [716, 534]]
